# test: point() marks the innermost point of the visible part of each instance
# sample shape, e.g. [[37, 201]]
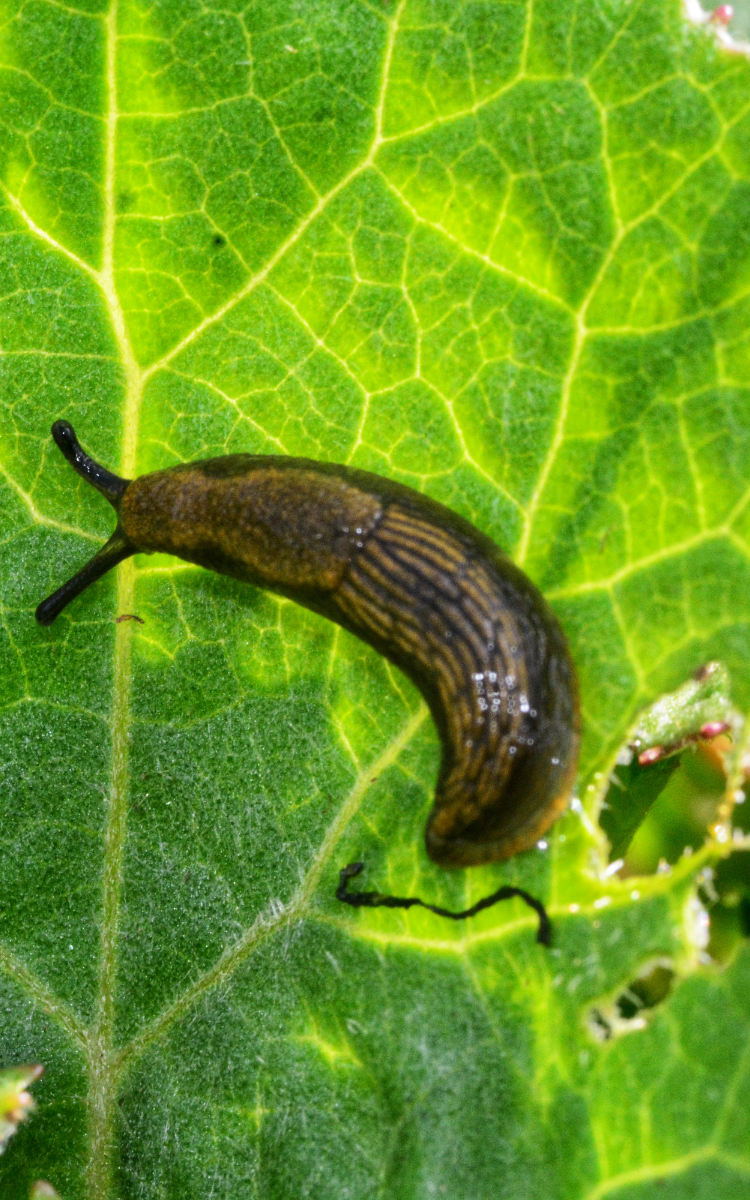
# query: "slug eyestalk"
[[112, 552]]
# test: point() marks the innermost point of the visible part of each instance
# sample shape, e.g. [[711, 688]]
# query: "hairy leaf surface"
[[497, 251]]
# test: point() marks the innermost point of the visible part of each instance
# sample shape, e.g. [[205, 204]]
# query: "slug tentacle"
[[111, 486], [111, 553], [410, 577]]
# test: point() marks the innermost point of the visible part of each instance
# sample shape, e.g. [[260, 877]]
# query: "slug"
[[408, 576]]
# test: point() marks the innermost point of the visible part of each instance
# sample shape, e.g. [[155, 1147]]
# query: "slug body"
[[413, 579]]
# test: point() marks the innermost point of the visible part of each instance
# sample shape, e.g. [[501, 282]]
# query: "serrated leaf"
[[492, 250]]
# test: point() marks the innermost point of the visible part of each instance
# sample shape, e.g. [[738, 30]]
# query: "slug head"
[[112, 552]]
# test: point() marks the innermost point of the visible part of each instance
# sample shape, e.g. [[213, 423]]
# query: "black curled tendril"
[[376, 900]]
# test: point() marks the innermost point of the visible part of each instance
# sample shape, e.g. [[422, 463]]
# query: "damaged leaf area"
[[698, 712], [496, 251]]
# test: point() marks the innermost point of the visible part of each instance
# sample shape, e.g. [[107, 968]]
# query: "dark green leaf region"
[[495, 250]]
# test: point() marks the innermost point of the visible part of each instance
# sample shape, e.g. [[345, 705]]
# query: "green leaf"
[[498, 252], [701, 708], [633, 791]]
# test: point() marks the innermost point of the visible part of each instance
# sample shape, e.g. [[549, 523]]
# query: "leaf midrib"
[[106, 1065]]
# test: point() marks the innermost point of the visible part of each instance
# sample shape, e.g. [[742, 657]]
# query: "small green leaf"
[[701, 708], [633, 790]]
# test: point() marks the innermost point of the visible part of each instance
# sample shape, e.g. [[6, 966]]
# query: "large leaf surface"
[[497, 251]]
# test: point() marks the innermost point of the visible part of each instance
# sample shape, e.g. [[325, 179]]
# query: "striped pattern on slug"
[[488, 655], [408, 576]]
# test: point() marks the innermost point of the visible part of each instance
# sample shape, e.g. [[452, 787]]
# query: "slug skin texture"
[[410, 577]]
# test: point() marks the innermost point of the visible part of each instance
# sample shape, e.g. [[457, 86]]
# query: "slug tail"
[[112, 552], [111, 486]]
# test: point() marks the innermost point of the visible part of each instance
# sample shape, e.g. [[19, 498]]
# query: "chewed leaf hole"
[[630, 1008], [655, 814], [670, 776], [725, 892]]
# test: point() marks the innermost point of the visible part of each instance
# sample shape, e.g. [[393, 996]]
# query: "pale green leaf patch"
[[497, 251]]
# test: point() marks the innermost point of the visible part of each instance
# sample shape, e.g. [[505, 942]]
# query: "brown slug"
[[413, 579]]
